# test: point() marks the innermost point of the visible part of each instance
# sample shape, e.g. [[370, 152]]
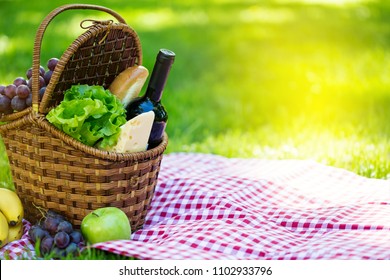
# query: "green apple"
[[105, 224]]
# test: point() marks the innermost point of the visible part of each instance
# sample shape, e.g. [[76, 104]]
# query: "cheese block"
[[128, 84], [135, 134]]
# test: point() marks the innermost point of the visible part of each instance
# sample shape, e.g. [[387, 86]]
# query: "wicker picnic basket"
[[50, 169]]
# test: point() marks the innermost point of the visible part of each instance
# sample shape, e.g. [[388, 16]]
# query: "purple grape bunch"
[[17, 96], [56, 236]]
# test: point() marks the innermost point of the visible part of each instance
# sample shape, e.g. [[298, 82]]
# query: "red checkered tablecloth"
[[212, 207]]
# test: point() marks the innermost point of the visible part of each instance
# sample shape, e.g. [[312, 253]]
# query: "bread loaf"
[[128, 84]]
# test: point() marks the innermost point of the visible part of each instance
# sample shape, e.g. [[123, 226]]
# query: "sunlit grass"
[[257, 13], [5, 172], [370, 157], [327, 2]]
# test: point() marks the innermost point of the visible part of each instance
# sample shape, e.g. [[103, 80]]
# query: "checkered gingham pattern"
[[212, 207]]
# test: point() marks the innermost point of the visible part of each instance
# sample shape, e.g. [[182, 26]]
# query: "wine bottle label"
[[157, 132]]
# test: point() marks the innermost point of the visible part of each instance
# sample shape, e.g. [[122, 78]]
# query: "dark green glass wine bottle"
[[151, 100]]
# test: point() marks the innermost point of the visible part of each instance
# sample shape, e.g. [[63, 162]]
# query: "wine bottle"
[[151, 100]]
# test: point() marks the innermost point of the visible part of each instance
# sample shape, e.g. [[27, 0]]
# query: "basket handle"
[[39, 36]]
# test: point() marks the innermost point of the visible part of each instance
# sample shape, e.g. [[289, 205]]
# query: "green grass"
[[264, 79], [87, 253]]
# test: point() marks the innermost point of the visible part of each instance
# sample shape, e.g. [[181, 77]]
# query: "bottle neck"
[[159, 75]]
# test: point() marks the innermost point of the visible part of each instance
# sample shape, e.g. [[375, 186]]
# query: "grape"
[[72, 249], [52, 63], [58, 238], [9, 111], [20, 81], [47, 76], [53, 214], [61, 239], [18, 104], [41, 71], [65, 226], [2, 88], [51, 224], [29, 100], [46, 245], [29, 83], [5, 103], [76, 237], [36, 232], [23, 91], [41, 82], [41, 92], [29, 73], [58, 252], [10, 91]]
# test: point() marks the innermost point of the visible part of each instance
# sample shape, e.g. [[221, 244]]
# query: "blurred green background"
[[266, 79]]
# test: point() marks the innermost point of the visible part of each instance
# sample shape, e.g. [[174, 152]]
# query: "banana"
[[11, 206], [15, 233], [3, 230]]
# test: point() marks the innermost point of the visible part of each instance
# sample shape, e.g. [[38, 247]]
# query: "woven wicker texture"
[[50, 169], [104, 51]]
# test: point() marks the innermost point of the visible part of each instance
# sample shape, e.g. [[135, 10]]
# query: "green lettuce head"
[[89, 114]]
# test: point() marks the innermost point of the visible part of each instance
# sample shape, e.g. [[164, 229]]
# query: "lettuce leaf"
[[89, 114]]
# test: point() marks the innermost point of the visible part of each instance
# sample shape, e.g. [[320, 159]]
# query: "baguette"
[[128, 84]]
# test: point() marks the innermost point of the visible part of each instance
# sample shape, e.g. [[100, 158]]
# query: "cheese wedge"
[[135, 134]]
